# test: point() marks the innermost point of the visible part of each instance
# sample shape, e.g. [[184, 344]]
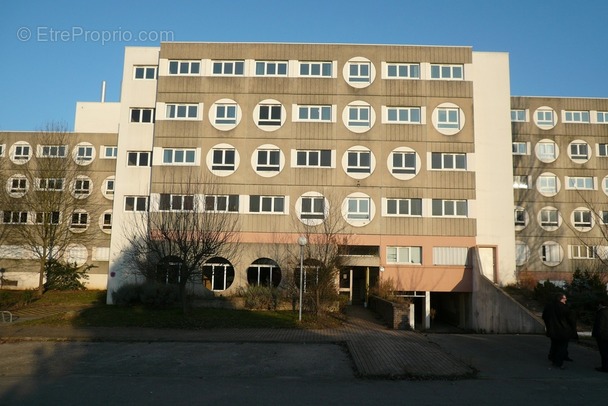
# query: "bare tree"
[[41, 209], [183, 228]]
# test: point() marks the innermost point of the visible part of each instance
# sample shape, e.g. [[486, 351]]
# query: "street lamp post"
[[2, 270], [302, 241]]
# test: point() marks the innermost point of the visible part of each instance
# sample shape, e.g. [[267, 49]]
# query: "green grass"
[[15, 299]]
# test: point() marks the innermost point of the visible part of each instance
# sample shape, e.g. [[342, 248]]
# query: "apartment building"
[[560, 182]]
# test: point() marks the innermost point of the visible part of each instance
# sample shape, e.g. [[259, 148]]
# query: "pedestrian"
[[600, 333], [560, 325]]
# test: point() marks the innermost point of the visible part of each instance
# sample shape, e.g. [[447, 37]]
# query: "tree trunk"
[[42, 264]]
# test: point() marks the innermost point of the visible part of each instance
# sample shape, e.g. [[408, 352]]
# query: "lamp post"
[[2, 270], [302, 241]]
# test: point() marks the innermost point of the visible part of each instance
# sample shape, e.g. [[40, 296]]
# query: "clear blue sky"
[[54, 52]]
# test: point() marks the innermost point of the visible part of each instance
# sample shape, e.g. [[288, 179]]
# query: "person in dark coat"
[[600, 333], [560, 325]]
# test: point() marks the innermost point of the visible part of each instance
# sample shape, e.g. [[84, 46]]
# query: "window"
[[580, 182], [403, 162], [222, 203], [176, 202], [448, 118], [264, 272], [359, 116], [520, 182], [602, 117], [218, 274], [441, 160], [446, 71], [581, 218], [145, 72], [551, 253], [225, 113], [136, 203], [522, 253], [316, 69], [549, 217], [269, 115], [449, 208], [604, 216], [544, 117], [520, 217], [20, 152], [182, 111], [518, 115], [451, 256], [576, 117], [223, 159], [547, 184], [404, 255], [314, 113], [142, 115], [52, 151], [520, 148], [268, 160], [2, 149], [312, 208], [579, 151], [228, 68], [50, 184], [359, 71], [14, 217], [18, 185], [546, 151], [80, 220], [82, 187], [175, 156], [582, 252], [84, 154], [105, 221], [108, 187], [314, 158], [184, 67], [403, 115], [358, 208], [403, 70], [110, 152], [602, 150], [404, 207], [267, 204], [47, 218], [138, 158], [359, 162], [271, 68]]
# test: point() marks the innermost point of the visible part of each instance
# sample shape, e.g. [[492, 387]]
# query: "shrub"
[[127, 295], [261, 297], [150, 294], [584, 293], [65, 276], [545, 292]]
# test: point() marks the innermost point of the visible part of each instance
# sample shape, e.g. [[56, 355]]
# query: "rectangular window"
[[520, 216], [313, 207], [602, 117], [451, 256], [14, 217], [314, 113], [50, 184], [549, 218], [79, 220], [448, 161], [18, 185], [225, 113], [359, 72], [547, 184], [404, 207], [449, 208], [518, 115], [314, 158], [138, 158], [316, 69], [546, 150], [448, 118], [110, 152], [228, 68], [439, 71], [520, 182], [404, 255], [179, 156], [106, 221], [270, 114], [520, 148], [142, 115], [271, 68], [109, 187], [21, 152], [47, 217], [184, 67], [145, 72], [403, 162], [182, 111], [602, 150], [544, 117], [223, 160], [582, 218], [267, 204], [2, 149], [222, 203], [269, 160], [84, 153], [82, 187], [403, 115], [576, 117], [579, 150], [579, 182], [358, 208], [170, 202], [136, 203], [52, 151], [359, 162], [359, 116], [604, 216], [403, 70], [582, 252]]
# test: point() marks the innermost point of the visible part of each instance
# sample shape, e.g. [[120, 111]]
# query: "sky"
[[55, 53]]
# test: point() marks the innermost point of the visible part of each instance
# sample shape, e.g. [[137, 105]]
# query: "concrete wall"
[[494, 311]]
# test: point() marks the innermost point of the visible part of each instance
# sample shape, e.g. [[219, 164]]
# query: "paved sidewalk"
[[377, 352]]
